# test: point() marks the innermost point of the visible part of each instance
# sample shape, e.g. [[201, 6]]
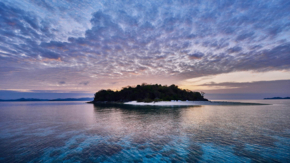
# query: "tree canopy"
[[148, 93]]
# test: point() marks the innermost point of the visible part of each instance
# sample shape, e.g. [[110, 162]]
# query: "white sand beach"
[[188, 103]]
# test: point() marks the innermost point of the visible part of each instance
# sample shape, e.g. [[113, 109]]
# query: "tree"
[[148, 93]]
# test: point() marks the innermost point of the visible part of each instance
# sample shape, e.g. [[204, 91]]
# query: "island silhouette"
[[148, 93]]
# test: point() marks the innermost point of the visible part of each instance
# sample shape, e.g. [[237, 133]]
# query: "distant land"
[[58, 99], [277, 98], [148, 93]]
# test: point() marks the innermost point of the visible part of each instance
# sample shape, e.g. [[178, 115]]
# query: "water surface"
[[80, 132]]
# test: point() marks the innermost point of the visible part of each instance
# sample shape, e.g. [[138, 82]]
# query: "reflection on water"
[[75, 131]]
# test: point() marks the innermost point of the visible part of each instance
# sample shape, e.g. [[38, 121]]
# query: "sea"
[[82, 132]]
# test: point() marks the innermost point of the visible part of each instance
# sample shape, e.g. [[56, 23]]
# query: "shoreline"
[[189, 103]]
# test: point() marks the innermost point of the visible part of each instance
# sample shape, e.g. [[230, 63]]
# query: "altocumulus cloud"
[[183, 39]]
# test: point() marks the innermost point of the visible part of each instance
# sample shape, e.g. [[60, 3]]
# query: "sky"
[[236, 49]]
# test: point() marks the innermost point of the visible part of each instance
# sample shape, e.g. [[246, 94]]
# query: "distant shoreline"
[[277, 98], [35, 99]]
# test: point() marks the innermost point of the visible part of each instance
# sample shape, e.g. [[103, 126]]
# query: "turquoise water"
[[80, 132]]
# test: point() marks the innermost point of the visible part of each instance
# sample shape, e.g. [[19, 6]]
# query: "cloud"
[[244, 36], [197, 55], [43, 4], [234, 49], [61, 82], [124, 40], [276, 86], [40, 94], [84, 83]]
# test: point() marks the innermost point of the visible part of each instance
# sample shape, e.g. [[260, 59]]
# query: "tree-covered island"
[[148, 93]]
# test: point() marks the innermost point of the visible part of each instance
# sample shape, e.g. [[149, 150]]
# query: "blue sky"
[[80, 47]]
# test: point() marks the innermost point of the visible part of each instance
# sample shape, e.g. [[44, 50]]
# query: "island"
[[156, 95], [277, 98], [147, 93]]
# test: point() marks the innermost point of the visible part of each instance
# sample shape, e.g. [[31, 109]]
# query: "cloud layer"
[[111, 40], [267, 87]]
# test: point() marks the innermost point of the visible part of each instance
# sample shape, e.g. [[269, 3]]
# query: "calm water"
[[80, 132]]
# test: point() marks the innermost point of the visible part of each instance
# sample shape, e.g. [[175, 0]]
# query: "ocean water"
[[80, 132]]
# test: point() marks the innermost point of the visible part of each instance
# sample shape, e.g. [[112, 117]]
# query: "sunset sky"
[[71, 48]]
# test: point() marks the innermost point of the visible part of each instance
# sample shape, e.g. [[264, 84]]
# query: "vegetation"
[[148, 93]]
